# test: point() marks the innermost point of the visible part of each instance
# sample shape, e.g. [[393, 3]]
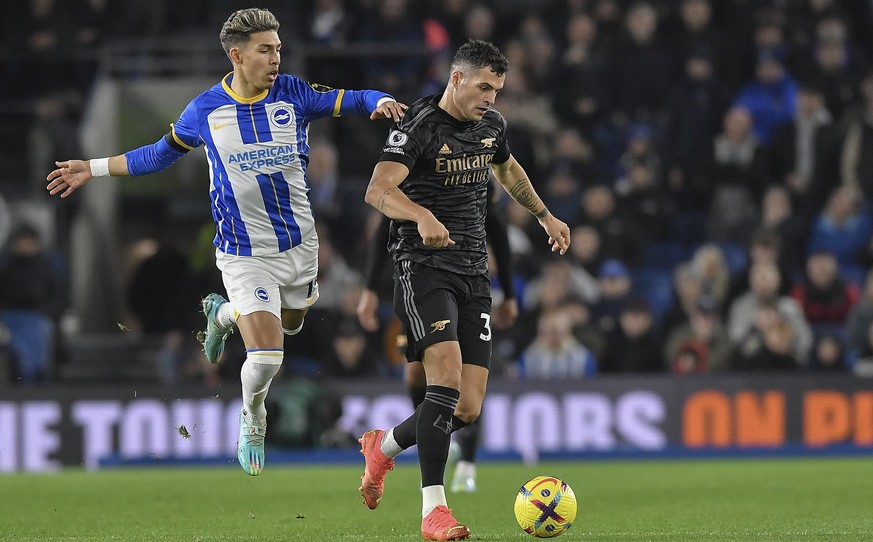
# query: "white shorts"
[[273, 282]]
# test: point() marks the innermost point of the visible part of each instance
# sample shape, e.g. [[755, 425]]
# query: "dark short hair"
[[479, 54], [766, 237]]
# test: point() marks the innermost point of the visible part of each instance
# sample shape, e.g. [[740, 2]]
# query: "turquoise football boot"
[[250, 447], [215, 335]]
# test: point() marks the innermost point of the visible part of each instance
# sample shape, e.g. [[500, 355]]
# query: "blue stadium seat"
[[735, 256], [689, 229], [854, 273], [656, 286], [664, 256]]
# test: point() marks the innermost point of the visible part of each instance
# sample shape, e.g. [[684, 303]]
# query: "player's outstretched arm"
[[512, 176], [73, 174], [384, 194]]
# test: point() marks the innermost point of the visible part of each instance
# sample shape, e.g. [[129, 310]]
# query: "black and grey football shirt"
[[449, 165]]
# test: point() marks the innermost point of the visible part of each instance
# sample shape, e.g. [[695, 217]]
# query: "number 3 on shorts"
[[487, 335]]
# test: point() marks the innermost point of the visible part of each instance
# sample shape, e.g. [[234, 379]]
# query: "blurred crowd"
[[714, 160]]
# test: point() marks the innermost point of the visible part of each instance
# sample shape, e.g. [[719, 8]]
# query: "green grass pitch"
[[743, 500]]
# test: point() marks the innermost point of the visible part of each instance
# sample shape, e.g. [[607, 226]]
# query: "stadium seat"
[[854, 274], [664, 256], [689, 229], [656, 286], [735, 256]]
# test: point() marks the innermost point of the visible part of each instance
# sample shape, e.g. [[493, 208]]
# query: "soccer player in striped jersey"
[[253, 125]]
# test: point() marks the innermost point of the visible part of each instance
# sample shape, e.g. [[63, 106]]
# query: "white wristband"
[[385, 99], [99, 167]]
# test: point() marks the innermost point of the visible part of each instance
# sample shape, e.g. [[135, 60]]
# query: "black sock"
[[416, 393], [433, 433], [404, 432], [468, 439]]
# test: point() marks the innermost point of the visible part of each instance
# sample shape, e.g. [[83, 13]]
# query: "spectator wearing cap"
[[771, 96], [638, 346], [704, 334], [639, 149], [615, 290]]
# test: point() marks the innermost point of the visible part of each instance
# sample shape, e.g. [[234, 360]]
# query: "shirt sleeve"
[[183, 137], [319, 101], [402, 146], [503, 151], [185, 132]]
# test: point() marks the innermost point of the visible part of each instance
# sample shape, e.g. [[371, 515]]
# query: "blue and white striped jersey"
[[257, 151]]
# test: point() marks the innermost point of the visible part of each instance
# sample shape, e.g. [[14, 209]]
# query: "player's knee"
[[445, 378], [443, 368], [468, 413]]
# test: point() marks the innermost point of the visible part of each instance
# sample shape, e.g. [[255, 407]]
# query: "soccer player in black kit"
[[431, 180], [504, 316]]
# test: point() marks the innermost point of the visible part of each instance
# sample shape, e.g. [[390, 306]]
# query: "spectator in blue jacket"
[[771, 96]]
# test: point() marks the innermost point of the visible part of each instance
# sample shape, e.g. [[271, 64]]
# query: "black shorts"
[[436, 306]]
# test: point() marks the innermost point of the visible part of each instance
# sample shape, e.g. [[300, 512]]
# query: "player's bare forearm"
[[523, 192], [514, 180], [389, 200], [384, 193], [516, 183]]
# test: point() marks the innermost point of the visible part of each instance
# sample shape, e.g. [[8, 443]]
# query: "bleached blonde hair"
[[242, 23]]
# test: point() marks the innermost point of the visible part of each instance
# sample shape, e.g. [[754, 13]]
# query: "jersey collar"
[[435, 102], [225, 84]]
